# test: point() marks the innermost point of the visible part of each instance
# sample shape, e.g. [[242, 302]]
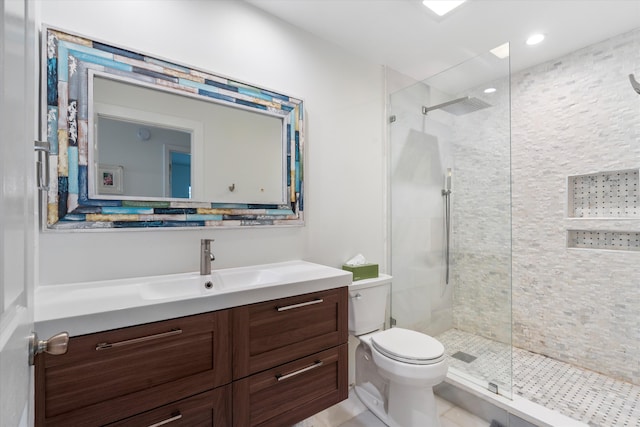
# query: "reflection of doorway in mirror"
[[180, 177], [177, 175], [138, 141]]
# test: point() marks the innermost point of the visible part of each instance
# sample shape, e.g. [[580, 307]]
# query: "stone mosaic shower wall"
[[481, 211], [576, 116], [573, 117]]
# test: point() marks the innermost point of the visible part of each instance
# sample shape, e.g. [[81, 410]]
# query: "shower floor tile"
[[581, 394]]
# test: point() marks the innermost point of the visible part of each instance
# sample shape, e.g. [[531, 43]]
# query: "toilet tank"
[[368, 300]]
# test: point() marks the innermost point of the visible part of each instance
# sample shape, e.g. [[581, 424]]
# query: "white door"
[[17, 208]]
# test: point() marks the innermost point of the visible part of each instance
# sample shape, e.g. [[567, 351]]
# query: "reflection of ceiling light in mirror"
[[535, 39], [501, 51], [490, 90], [442, 7]]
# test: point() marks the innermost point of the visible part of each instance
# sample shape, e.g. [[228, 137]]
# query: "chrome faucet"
[[206, 256]]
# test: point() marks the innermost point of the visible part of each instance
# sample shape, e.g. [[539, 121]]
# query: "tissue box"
[[364, 271]]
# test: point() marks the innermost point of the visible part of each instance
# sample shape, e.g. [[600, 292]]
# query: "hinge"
[[493, 388], [42, 164]]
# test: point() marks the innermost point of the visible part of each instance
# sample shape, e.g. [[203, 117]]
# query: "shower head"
[[634, 83], [459, 106]]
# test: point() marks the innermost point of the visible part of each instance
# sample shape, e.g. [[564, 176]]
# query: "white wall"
[[344, 148]]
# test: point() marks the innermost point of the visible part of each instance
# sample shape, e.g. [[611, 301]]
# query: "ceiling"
[[407, 37]]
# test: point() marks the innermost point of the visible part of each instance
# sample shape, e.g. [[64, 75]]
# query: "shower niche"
[[606, 196], [612, 240], [612, 194]]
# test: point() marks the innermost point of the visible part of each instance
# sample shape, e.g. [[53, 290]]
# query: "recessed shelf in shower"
[[611, 194], [599, 239]]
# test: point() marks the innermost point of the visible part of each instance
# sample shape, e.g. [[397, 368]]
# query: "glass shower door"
[[450, 181]]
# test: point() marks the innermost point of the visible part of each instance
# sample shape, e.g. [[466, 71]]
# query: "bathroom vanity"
[[195, 355]]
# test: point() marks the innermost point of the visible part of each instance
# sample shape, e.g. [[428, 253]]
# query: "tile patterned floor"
[[352, 413], [575, 392]]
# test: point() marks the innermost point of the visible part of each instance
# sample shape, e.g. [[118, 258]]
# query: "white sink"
[[237, 279], [82, 308], [193, 285], [185, 286]]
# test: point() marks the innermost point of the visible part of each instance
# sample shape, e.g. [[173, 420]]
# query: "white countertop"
[[88, 307]]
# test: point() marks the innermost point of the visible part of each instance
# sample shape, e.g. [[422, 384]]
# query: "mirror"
[[137, 141], [239, 155]]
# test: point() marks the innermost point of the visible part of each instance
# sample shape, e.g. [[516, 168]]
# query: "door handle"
[[168, 420], [282, 377], [56, 345], [302, 304]]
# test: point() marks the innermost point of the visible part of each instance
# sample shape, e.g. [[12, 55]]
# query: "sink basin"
[[185, 286], [244, 278], [193, 285], [87, 307]]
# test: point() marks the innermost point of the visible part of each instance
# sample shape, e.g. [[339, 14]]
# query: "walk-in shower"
[[459, 107], [450, 217], [485, 203]]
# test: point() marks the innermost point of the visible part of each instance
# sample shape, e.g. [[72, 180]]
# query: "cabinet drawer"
[[291, 392], [271, 333], [112, 375], [212, 408]]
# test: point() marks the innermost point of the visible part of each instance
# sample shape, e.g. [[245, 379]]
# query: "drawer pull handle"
[[167, 421], [107, 345], [302, 304], [281, 377]]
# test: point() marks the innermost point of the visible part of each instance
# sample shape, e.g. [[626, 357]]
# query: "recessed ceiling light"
[[501, 51], [442, 7], [535, 39], [490, 90]]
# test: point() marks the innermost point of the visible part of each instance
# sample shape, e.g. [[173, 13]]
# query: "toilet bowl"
[[396, 369]]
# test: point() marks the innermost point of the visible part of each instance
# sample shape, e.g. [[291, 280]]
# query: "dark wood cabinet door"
[[111, 375], [209, 409], [289, 393], [271, 333], [287, 359]]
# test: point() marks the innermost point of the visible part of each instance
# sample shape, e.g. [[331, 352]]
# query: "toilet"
[[396, 369]]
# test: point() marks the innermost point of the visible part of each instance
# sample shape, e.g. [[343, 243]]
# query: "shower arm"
[[425, 109]]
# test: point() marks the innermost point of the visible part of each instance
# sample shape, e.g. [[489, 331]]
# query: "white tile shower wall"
[[573, 116], [481, 213]]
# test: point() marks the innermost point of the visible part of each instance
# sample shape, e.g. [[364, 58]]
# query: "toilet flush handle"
[[357, 296]]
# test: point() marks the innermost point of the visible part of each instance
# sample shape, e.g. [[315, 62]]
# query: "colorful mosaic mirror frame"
[[67, 59]]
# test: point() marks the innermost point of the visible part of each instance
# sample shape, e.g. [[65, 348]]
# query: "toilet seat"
[[408, 346]]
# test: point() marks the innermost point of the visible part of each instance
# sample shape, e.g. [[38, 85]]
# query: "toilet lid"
[[408, 346]]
